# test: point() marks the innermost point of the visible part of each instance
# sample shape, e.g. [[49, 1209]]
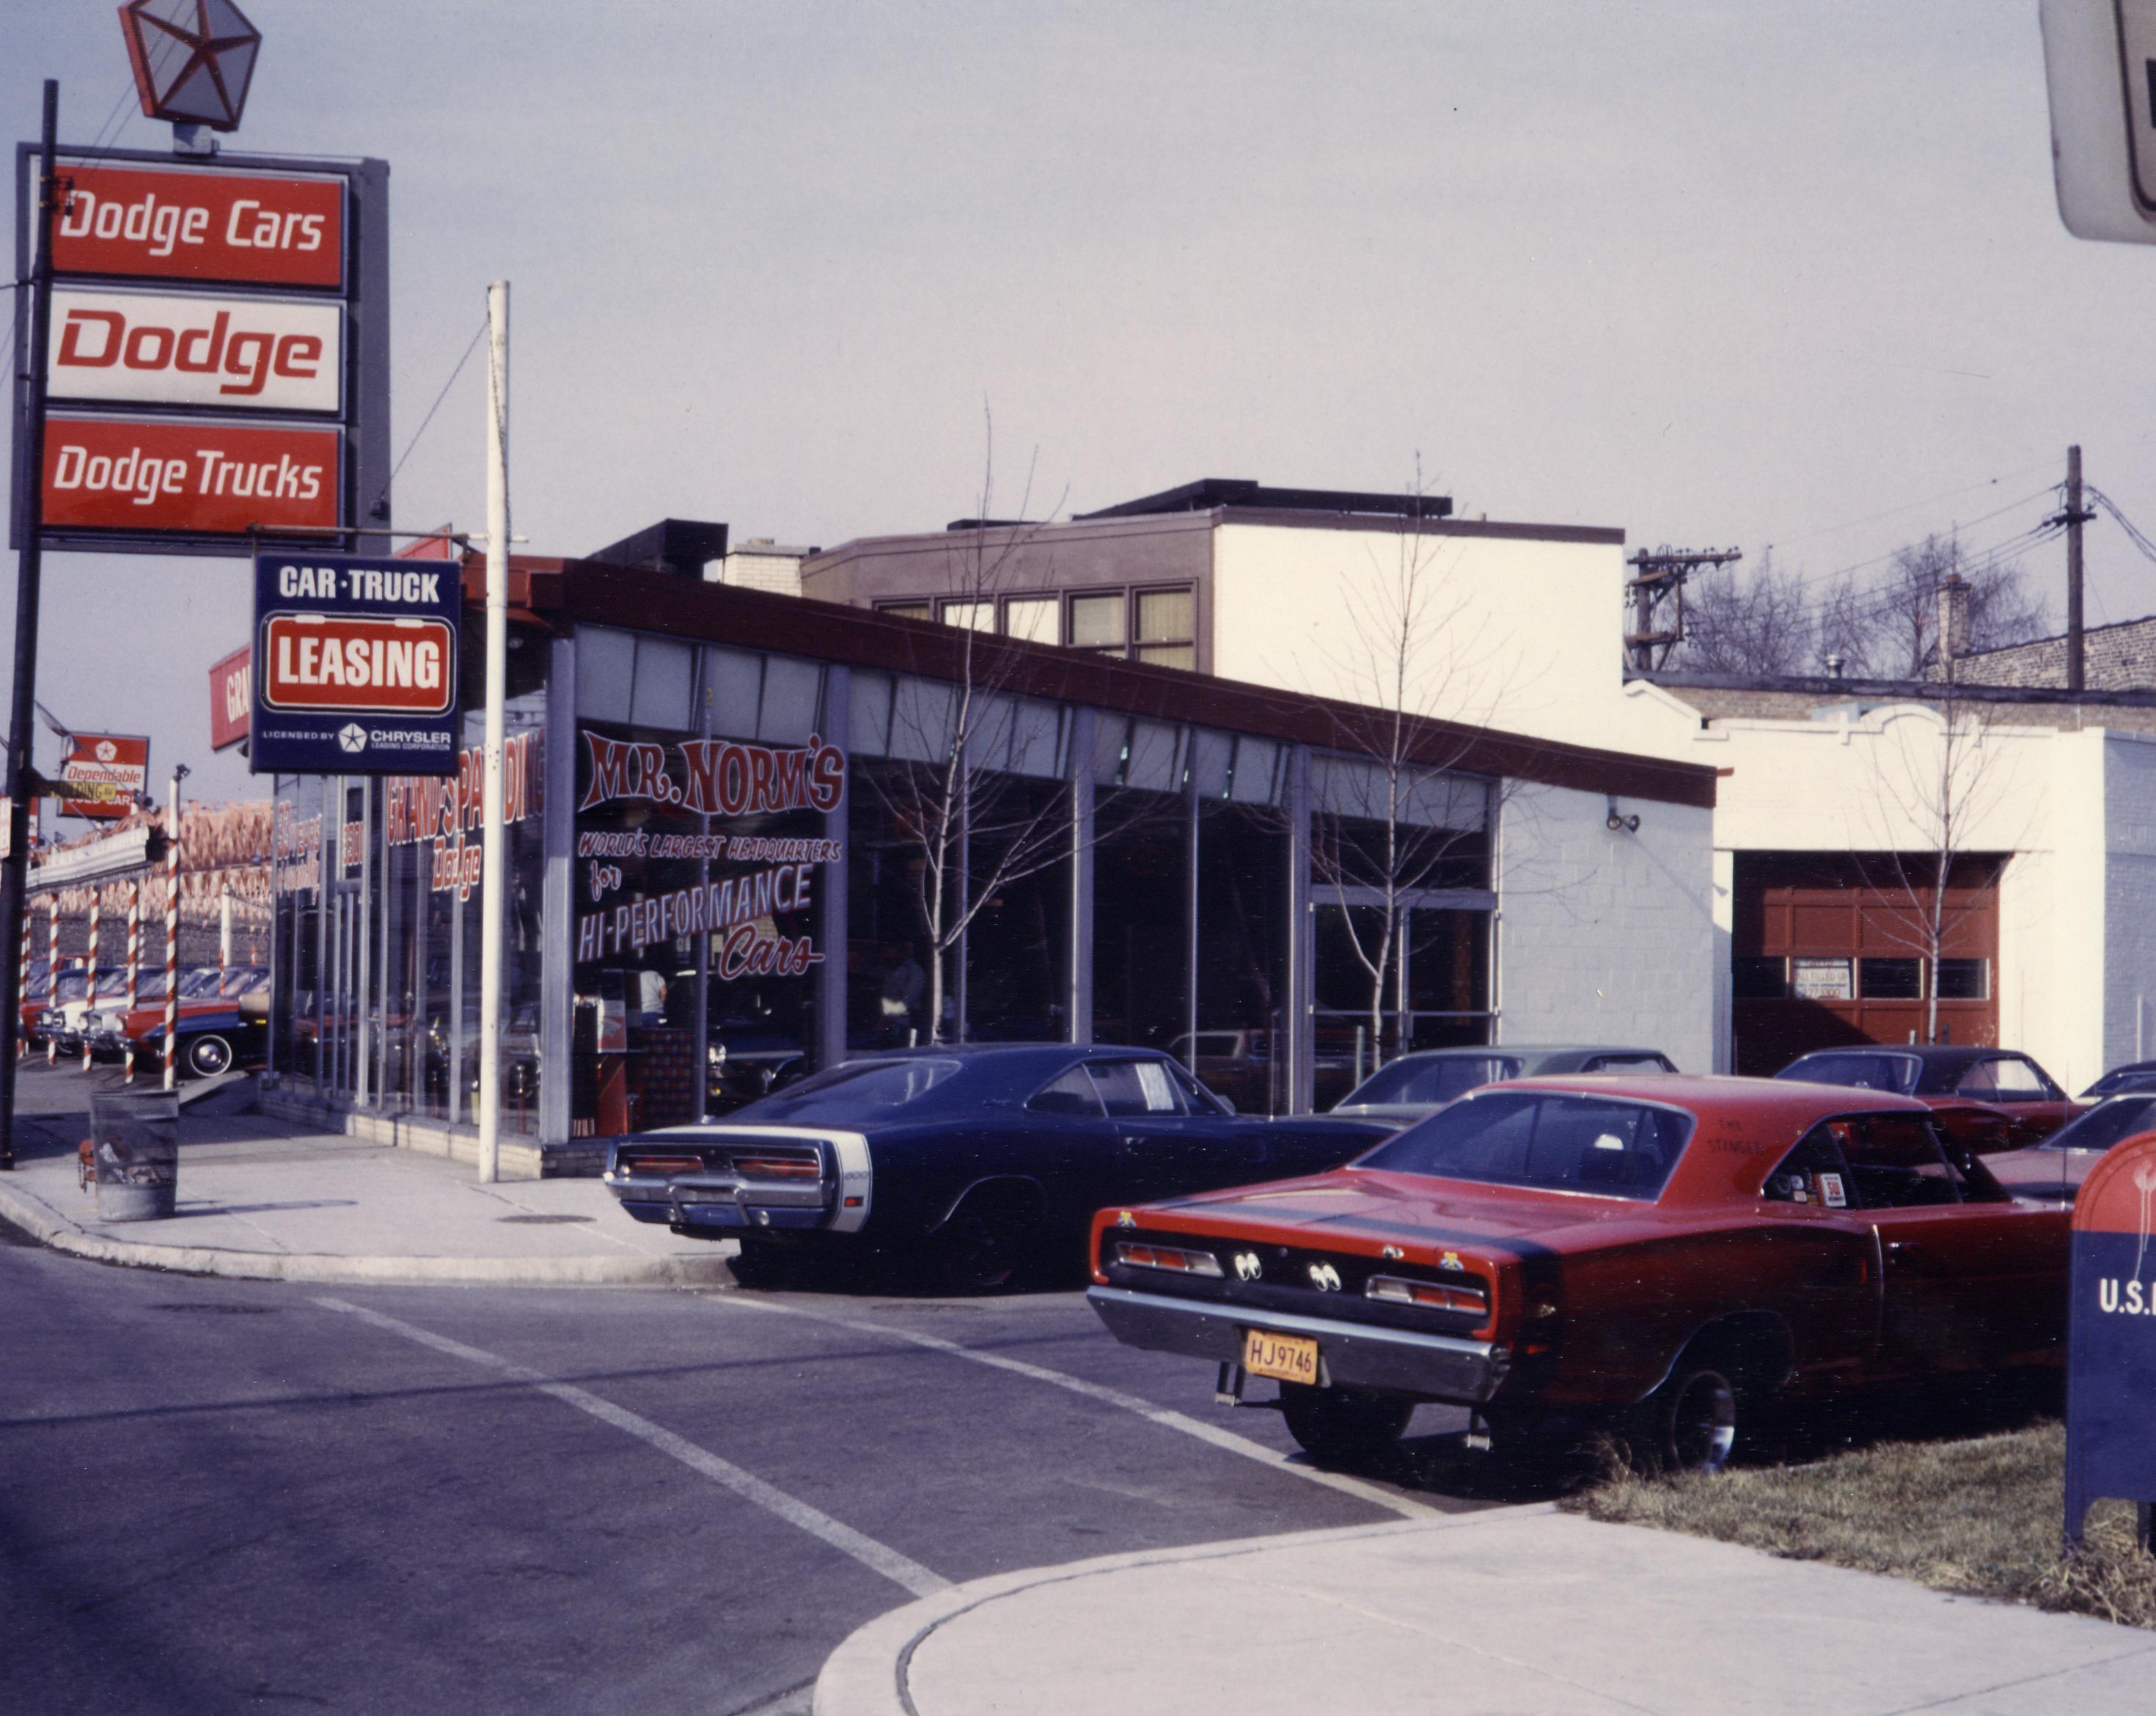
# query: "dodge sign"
[[355, 666]]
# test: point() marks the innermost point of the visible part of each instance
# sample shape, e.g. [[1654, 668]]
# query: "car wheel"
[[987, 1246], [1690, 1423], [209, 1056], [1342, 1424]]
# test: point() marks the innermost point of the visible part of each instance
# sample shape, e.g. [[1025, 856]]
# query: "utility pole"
[[29, 520], [2075, 517], [1658, 576], [494, 882]]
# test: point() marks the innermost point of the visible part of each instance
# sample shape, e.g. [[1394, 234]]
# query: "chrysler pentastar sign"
[[354, 666]]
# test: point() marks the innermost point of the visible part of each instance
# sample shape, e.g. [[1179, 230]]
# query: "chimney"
[[1954, 621]]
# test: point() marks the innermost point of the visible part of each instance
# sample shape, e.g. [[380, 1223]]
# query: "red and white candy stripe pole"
[[173, 928], [53, 969], [134, 971], [22, 985], [89, 1002]]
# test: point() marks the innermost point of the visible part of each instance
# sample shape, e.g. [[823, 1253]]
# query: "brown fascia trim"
[[1148, 524], [561, 592]]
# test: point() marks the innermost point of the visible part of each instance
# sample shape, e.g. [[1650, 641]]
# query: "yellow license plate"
[[1281, 1356]]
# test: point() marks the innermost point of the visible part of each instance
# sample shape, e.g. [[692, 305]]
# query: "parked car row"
[[222, 1016], [1560, 1239]]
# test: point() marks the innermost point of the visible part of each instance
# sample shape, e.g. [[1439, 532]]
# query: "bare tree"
[[972, 825], [1936, 788], [1393, 817], [1751, 622], [1891, 631]]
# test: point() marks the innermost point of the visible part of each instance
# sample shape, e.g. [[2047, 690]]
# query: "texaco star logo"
[[351, 737]]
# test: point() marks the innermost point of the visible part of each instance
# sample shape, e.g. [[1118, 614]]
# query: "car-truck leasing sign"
[[354, 666]]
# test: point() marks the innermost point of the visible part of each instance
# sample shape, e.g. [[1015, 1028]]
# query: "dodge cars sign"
[[355, 666], [185, 224]]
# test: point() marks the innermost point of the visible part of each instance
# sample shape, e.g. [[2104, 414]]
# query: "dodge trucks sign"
[[354, 668]]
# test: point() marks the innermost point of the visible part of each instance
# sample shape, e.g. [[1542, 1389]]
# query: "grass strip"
[[1979, 1518]]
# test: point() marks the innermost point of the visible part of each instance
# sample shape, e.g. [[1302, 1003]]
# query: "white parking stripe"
[[866, 1551], [1145, 1409]]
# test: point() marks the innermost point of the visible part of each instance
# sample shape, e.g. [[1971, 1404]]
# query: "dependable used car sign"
[[354, 666]]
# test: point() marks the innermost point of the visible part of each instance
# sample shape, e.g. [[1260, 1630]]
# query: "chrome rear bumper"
[[1435, 1367]]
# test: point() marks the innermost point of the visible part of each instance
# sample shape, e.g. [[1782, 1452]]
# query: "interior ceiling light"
[[192, 59]]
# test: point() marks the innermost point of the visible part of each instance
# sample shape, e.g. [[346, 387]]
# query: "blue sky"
[[1715, 273]]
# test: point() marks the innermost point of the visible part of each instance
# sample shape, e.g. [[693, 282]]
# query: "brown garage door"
[[1830, 948]]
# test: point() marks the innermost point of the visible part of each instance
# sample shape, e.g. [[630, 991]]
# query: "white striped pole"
[[53, 969], [89, 1003], [134, 971], [172, 930], [22, 983]]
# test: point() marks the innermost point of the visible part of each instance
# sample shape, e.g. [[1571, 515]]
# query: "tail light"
[[1172, 1258], [779, 1167], [1430, 1295], [662, 1165]]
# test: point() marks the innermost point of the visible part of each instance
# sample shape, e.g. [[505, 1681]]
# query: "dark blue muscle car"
[[988, 1157]]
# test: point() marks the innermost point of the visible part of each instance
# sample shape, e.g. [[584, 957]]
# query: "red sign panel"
[[102, 775], [325, 662], [231, 697], [112, 473], [183, 225]]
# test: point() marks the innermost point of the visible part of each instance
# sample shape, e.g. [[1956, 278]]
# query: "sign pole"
[[494, 881], [29, 521]]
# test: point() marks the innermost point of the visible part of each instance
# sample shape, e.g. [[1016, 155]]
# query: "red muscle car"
[[1655, 1255]]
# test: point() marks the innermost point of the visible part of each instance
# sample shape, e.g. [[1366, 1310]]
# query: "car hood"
[[1378, 1205]]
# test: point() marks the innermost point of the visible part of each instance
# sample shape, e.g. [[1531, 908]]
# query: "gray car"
[[1407, 1089]]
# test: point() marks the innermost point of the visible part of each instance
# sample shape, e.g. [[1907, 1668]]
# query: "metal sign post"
[[29, 462]]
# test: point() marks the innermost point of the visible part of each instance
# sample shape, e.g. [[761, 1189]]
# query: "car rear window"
[[1434, 1081], [861, 1084], [2106, 1124], [1865, 1072], [1555, 1141]]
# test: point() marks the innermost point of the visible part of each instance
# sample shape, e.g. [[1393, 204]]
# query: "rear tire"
[[989, 1245], [763, 1265], [1689, 1424], [1342, 1424]]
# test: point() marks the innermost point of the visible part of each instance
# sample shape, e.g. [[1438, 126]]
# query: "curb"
[[39, 1220], [866, 1675]]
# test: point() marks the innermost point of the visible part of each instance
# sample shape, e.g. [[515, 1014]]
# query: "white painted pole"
[[90, 1004], [134, 972], [494, 882], [23, 982], [172, 931], [53, 968]]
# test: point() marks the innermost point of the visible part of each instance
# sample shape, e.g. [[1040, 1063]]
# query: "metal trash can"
[[135, 1153]]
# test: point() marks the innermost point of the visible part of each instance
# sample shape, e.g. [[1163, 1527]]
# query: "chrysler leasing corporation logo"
[[1247, 1266], [1325, 1277], [351, 737]]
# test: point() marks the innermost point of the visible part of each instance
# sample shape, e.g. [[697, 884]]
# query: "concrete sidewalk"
[[1517, 1610], [264, 1199]]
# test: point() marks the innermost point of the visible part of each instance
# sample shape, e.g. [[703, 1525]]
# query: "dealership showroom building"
[[735, 819]]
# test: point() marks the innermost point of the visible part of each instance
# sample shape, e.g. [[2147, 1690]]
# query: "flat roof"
[[557, 593]]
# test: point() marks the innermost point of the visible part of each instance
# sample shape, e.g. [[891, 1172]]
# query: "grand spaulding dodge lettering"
[[1660, 1255]]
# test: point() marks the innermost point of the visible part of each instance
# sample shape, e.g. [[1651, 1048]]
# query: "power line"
[[414, 442]]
